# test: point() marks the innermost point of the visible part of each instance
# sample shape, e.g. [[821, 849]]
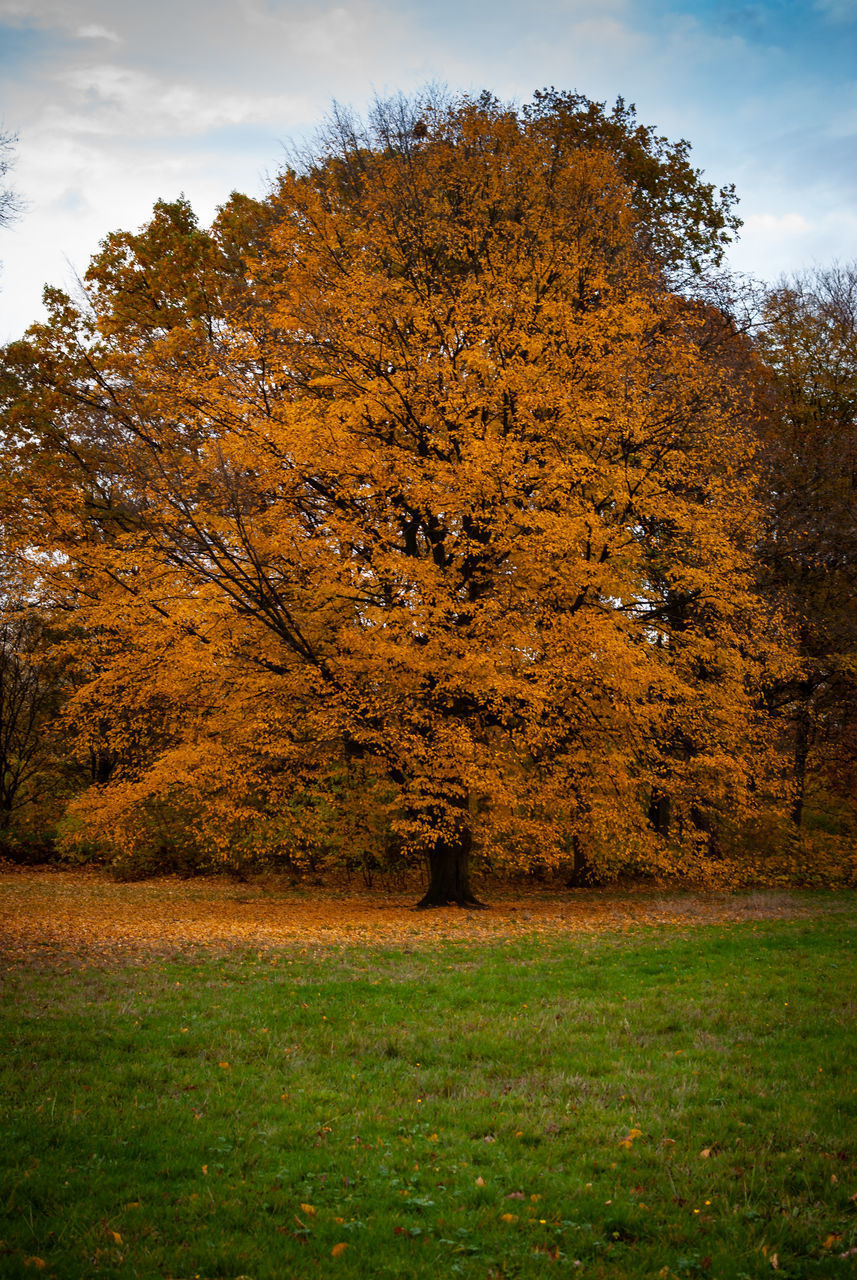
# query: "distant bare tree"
[[10, 203]]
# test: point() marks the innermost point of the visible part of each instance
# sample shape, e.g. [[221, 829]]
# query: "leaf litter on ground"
[[50, 913]]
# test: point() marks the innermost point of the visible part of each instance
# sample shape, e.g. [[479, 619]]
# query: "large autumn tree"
[[420, 473]]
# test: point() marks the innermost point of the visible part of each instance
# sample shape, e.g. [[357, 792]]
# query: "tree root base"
[[466, 904]]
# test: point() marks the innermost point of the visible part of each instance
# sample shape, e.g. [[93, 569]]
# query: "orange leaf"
[[117, 1239], [508, 1217], [308, 1209], [338, 1249]]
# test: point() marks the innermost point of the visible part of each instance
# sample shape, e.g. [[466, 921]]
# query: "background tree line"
[[450, 502]]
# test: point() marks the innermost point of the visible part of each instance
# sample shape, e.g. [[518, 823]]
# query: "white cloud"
[[776, 225], [95, 31], [113, 100], [776, 244]]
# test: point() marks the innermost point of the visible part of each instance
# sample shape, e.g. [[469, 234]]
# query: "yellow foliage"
[[427, 527]]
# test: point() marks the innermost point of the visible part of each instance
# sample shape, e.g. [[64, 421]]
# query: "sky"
[[117, 103]]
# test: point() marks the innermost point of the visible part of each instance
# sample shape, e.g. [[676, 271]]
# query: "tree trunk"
[[659, 813], [581, 871], [801, 754], [707, 824], [449, 866], [101, 764]]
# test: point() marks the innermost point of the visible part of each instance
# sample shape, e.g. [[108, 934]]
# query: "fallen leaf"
[[831, 1241], [480, 1182], [60, 912], [205, 1168], [224, 1065], [508, 1217], [117, 1239], [308, 1209], [338, 1249], [38, 1263], [705, 1153], [774, 1261], [515, 1195]]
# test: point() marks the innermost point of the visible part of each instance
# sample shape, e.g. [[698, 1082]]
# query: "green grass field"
[[665, 1103]]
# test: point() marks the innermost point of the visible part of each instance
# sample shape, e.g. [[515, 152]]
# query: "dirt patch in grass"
[[47, 913]]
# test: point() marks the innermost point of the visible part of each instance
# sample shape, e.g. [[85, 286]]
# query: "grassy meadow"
[[667, 1102]]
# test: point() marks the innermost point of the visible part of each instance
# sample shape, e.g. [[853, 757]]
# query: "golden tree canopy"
[[415, 491]]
